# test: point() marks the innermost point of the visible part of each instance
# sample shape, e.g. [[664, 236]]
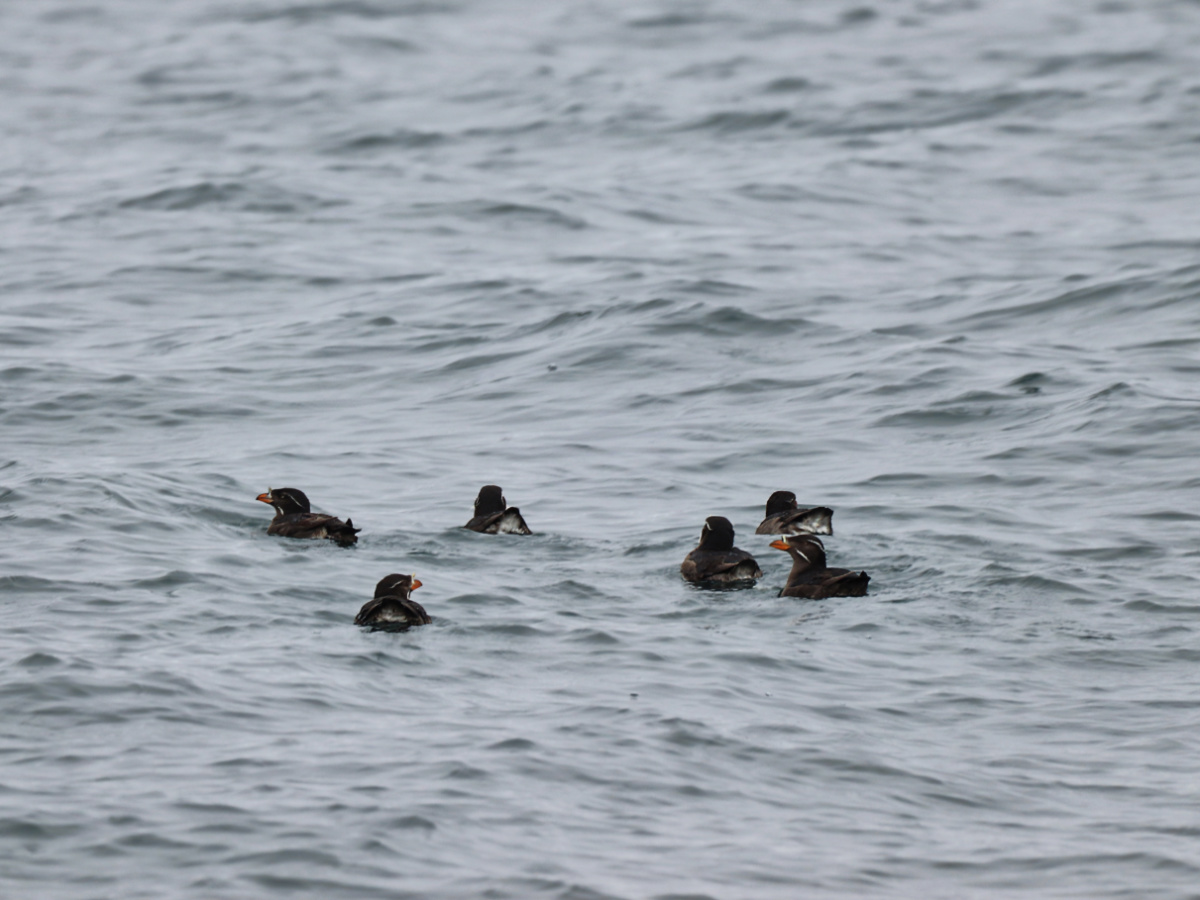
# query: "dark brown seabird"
[[393, 608], [492, 516], [293, 518], [811, 577], [784, 516], [715, 559]]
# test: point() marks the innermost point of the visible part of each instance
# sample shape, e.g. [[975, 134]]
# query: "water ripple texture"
[[932, 264]]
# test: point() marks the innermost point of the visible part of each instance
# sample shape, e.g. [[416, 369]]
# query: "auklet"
[[785, 517], [293, 519], [811, 578], [393, 609], [491, 515], [715, 559]]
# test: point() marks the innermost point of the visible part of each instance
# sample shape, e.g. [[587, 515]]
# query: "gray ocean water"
[[933, 264]]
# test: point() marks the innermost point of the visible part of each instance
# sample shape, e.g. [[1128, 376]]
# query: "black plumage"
[[784, 516], [715, 559], [392, 608], [493, 516], [293, 518], [811, 577]]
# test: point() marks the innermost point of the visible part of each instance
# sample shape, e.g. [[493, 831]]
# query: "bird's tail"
[[345, 535]]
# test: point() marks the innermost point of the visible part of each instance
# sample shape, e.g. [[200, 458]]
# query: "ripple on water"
[[237, 196], [640, 264]]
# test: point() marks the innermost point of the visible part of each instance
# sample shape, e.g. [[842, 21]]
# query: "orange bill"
[[781, 544]]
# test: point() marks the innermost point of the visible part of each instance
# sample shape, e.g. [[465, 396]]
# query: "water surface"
[[933, 264]]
